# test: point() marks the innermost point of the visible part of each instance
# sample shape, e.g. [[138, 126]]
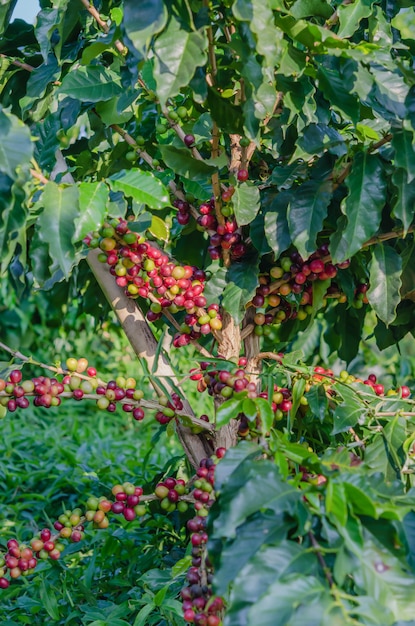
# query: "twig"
[[338, 180], [57, 370], [103, 25], [131, 141], [320, 558], [23, 66], [39, 176]]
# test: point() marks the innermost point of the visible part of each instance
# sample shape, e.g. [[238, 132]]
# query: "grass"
[[55, 459]]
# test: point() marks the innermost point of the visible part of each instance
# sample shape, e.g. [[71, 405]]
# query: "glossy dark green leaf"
[[91, 83], [266, 567], [57, 222], [306, 213], [348, 412], [402, 141], [181, 161], [41, 76], [260, 487], [15, 145], [259, 15], [282, 599], [315, 139], [142, 20], [338, 92], [385, 282], [405, 200], [277, 233], [93, 198], [242, 282], [246, 203], [227, 115], [284, 176], [317, 400], [141, 186], [178, 53], [308, 8], [362, 207], [263, 528], [257, 234]]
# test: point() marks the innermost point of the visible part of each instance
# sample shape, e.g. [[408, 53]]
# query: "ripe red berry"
[[242, 175], [189, 140], [15, 376]]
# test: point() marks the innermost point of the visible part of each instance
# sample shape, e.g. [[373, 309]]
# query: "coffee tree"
[[238, 179]]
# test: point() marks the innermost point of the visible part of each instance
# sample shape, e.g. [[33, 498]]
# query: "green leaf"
[[49, 601], [275, 220], [246, 203], [228, 410], [310, 8], [216, 284], [227, 115], [249, 409], [91, 83], [15, 145], [315, 139], [109, 114], [336, 503], [41, 76], [363, 206], [402, 141], [317, 401], [338, 92], [141, 186], [283, 599], [348, 413], [142, 20], [180, 160], [242, 283], [259, 15], [263, 528], [386, 579], [385, 282], [6, 11], [284, 176], [256, 486], [57, 223], [306, 213], [144, 612], [178, 53], [266, 414], [297, 394], [159, 228], [350, 16], [403, 208], [93, 198]]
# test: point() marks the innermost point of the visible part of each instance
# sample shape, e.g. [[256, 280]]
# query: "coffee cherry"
[[189, 140], [242, 175], [15, 376]]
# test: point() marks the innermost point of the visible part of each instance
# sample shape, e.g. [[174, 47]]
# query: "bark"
[[144, 345]]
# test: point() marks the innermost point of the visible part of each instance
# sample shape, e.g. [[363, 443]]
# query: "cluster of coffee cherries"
[[143, 270], [371, 381], [48, 392], [200, 607], [223, 236], [21, 560], [286, 289]]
